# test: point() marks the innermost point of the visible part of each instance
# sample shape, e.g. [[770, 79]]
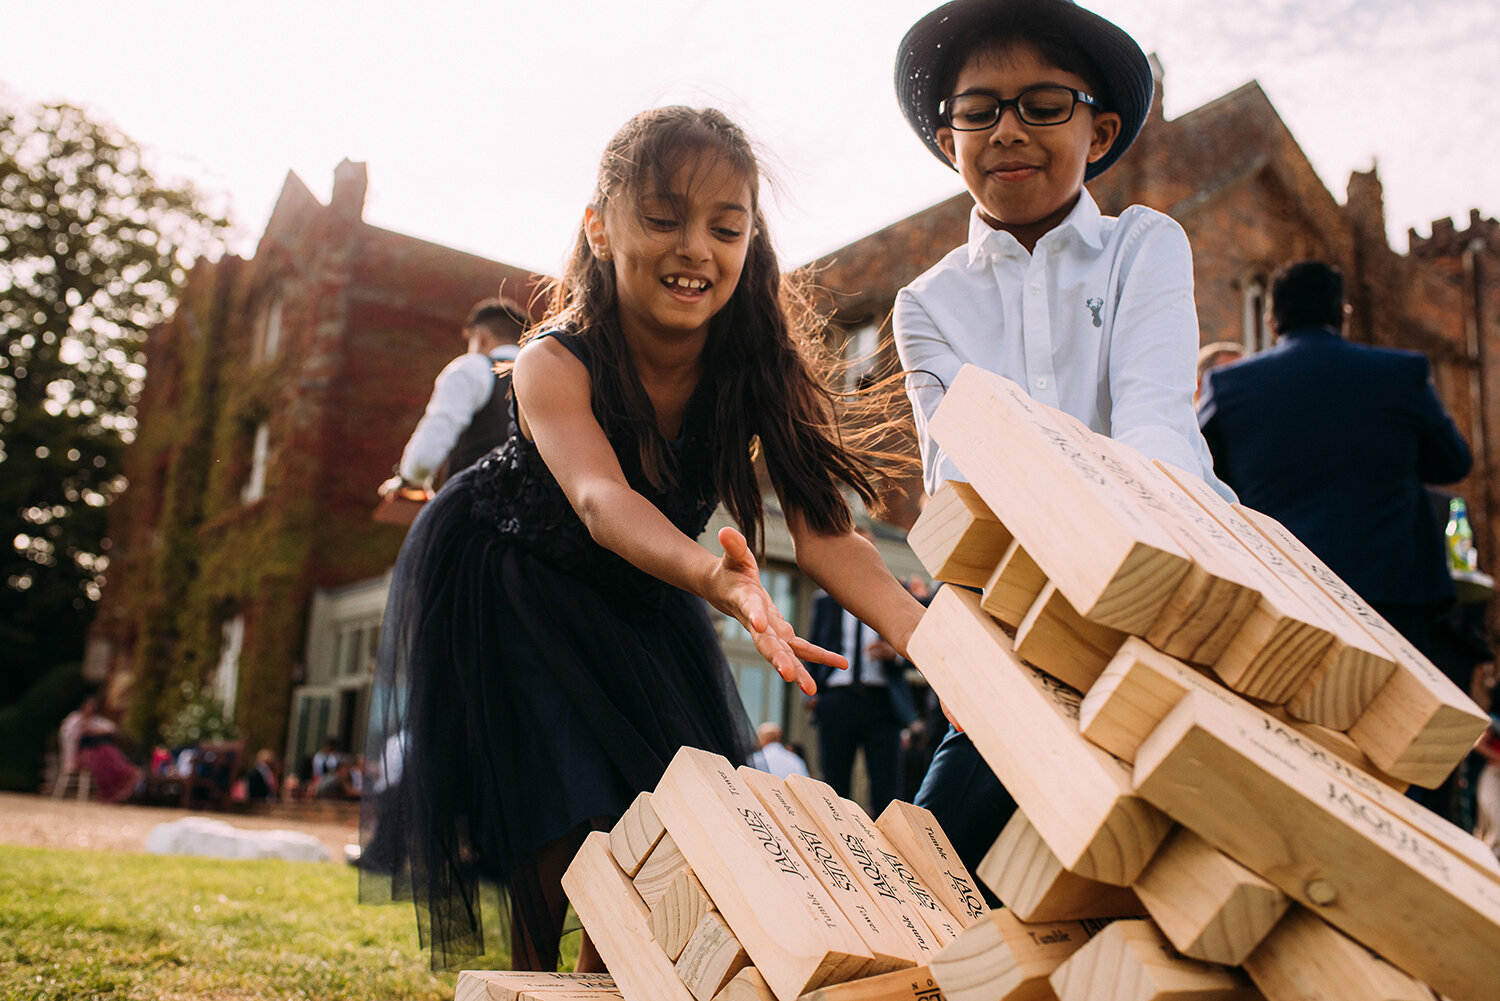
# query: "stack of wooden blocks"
[[1208, 735]]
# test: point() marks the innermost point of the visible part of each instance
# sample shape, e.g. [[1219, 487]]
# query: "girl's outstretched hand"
[[736, 590]]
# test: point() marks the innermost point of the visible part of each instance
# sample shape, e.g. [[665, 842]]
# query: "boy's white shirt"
[[461, 388], [1098, 321]]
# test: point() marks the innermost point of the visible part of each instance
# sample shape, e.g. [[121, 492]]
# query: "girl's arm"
[[850, 569], [552, 397]]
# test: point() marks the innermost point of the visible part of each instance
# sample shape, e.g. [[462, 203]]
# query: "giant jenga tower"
[[1208, 735]]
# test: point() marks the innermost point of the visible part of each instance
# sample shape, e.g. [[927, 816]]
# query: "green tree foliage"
[[92, 246]]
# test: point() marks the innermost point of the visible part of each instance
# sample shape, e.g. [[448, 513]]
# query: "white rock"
[[217, 839]]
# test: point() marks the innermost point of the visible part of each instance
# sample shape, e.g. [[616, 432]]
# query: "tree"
[[92, 247]]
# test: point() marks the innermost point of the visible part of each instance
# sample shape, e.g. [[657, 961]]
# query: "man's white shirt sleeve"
[[462, 387]]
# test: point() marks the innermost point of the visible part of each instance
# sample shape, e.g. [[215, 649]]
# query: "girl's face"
[[678, 253]]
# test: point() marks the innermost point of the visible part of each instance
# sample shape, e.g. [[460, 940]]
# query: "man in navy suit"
[[1336, 441], [867, 706]]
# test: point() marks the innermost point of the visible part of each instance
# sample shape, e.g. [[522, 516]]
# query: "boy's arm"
[[930, 364], [1154, 353]]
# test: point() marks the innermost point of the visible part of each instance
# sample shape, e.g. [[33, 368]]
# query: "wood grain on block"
[[1340, 744], [510, 985], [1217, 596], [1353, 667], [1419, 725], [793, 931], [1055, 638], [1306, 959], [1131, 961], [916, 834], [957, 538], [1208, 905], [945, 927], [1142, 685], [658, 871], [677, 913], [915, 984], [635, 834], [1326, 845], [1012, 589], [1023, 872], [711, 957], [862, 859], [891, 943], [1025, 726], [619, 924], [1006, 959], [1127, 568], [746, 985]]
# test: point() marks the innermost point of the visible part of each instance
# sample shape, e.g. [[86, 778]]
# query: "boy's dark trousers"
[[967, 799]]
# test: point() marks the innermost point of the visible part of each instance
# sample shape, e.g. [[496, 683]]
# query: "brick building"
[[284, 387], [279, 396]]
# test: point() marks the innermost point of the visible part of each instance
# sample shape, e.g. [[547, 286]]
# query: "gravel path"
[[66, 823]]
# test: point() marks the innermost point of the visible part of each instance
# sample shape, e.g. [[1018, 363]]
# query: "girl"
[[544, 619]]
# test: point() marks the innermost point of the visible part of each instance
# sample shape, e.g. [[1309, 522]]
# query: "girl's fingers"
[[806, 650]]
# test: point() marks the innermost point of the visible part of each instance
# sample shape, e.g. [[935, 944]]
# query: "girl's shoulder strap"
[[567, 339]]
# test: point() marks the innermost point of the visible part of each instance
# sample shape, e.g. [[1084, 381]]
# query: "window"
[[268, 337], [255, 486], [227, 674], [860, 349], [1255, 334]]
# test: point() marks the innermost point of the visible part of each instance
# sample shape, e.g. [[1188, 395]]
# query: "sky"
[[482, 122]]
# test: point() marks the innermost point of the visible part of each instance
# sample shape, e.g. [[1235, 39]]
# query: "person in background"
[[263, 784], [1337, 441], [466, 416], [325, 762], [87, 742], [1216, 355], [774, 756]]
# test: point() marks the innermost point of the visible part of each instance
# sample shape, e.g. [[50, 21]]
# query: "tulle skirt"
[[516, 705]]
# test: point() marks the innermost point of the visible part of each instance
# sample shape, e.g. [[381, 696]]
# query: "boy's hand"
[[735, 589]]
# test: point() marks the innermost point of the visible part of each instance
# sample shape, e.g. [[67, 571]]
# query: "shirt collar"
[[1084, 220]]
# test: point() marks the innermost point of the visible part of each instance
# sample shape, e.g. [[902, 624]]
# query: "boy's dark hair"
[[770, 400], [1307, 293], [500, 317], [1055, 47]]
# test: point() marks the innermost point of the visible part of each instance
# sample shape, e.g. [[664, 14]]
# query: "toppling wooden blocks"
[[764, 891]]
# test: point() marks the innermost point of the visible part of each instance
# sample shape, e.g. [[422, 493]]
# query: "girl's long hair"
[[774, 398]]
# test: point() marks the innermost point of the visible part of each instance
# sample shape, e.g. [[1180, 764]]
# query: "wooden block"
[[916, 834], [1029, 880], [1142, 685], [1025, 726], [957, 538], [1217, 596], [657, 872], [862, 859], [915, 984], [1315, 836], [619, 925], [1005, 959], [746, 985], [1127, 568], [1306, 959], [635, 834], [509, 985], [1055, 638], [1131, 961], [1013, 588], [1341, 745], [711, 957], [891, 944], [676, 915], [945, 927], [1208, 905], [1352, 668], [792, 930], [1419, 725]]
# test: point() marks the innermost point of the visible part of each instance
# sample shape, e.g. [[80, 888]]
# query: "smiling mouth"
[[682, 283]]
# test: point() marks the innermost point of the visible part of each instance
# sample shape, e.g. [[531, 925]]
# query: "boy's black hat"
[[923, 62]]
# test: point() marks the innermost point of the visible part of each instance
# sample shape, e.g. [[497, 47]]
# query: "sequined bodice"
[[517, 497]]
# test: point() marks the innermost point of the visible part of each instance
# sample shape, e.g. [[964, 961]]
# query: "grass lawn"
[[81, 925]]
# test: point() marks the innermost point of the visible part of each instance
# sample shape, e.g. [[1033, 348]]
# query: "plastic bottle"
[[1462, 555]]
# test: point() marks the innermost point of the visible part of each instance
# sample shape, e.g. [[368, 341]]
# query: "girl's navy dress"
[[530, 683]]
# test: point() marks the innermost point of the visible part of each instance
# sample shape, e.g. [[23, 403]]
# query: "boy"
[[1027, 100]]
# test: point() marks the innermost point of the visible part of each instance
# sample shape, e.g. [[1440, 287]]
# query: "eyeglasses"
[[1048, 104]]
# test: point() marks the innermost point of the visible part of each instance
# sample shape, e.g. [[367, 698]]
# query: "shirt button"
[[1041, 384], [1034, 288]]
